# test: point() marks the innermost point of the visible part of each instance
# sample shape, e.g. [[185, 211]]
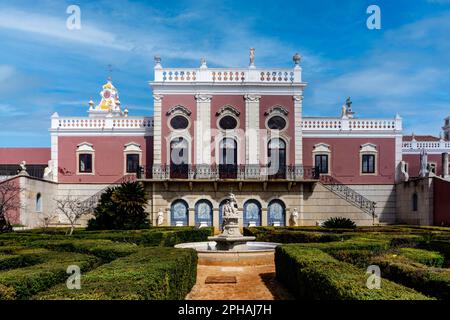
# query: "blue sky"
[[44, 67]]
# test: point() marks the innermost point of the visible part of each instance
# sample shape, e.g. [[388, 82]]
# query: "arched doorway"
[[252, 213], [179, 213], [276, 153], [276, 215], [179, 158], [203, 213], [228, 159]]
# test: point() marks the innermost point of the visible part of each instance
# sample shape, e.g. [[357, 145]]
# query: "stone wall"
[[423, 187]]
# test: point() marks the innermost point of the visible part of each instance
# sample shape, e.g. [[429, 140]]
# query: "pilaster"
[[252, 137]]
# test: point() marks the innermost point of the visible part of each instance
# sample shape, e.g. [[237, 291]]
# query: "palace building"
[[240, 130]]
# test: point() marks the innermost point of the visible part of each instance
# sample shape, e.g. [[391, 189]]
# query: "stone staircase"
[[348, 194]]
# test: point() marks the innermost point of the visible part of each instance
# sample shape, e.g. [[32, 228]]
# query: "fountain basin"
[[251, 253]]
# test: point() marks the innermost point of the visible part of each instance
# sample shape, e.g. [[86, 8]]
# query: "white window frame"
[[368, 149], [85, 148], [322, 149], [131, 148]]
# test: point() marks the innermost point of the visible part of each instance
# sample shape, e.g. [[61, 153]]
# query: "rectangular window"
[[85, 163], [368, 163], [132, 163], [321, 162]]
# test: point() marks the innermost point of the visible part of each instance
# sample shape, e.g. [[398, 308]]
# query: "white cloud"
[[49, 26]]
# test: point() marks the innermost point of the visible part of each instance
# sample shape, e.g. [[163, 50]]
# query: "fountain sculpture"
[[231, 237]]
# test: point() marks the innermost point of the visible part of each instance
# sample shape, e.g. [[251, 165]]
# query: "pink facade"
[[30, 155], [168, 102], [13, 215], [287, 103], [108, 160], [413, 162], [441, 203], [345, 162]]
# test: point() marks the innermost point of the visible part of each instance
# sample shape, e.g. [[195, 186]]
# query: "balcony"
[[226, 172]]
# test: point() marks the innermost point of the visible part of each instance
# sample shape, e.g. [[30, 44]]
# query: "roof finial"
[[297, 57]]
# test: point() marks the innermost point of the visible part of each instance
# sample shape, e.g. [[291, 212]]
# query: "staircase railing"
[[349, 194], [90, 203]]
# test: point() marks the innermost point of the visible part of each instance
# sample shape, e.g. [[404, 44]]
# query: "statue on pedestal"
[[23, 168], [160, 218], [294, 218]]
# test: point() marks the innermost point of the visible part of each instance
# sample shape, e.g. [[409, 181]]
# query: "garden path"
[[253, 283]]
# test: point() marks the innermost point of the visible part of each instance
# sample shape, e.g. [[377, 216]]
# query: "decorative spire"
[[91, 104]]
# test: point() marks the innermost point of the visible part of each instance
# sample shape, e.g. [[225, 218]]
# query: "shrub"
[[339, 222], [151, 274], [24, 282], [433, 282], [313, 274], [429, 258], [121, 208]]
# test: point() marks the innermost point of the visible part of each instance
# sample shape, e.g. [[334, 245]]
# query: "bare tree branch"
[[72, 208]]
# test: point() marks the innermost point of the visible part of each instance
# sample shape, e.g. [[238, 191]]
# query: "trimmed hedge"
[[268, 234], [429, 258], [24, 282], [313, 274], [430, 281], [157, 236], [151, 273], [104, 249]]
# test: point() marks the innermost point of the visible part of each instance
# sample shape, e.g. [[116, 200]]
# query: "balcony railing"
[[225, 172]]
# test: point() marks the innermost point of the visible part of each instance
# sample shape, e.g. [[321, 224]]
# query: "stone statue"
[[344, 110], [231, 237], [423, 164], [23, 168], [160, 218], [294, 218], [48, 173], [404, 173], [252, 56], [230, 210]]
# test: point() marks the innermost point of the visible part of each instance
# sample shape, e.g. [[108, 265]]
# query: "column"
[[157, 136], [298, 101], [252, 136], [202, 134], [445, 165]]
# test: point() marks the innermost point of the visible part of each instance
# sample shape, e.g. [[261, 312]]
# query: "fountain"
[[231, 247]]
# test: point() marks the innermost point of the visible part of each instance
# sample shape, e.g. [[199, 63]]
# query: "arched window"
[[276, 153], [179, 158], [252, 213], [203, 213], [415, 202], [276, 213], [179, 213], [38, 202], [228, 159]]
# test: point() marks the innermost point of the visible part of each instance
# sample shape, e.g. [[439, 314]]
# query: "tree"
[[72, 208], [121, 207], [9, 202]]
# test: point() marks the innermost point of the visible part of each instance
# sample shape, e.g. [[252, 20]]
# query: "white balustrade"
[[79, 123], [345, 124], [228, 75]]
